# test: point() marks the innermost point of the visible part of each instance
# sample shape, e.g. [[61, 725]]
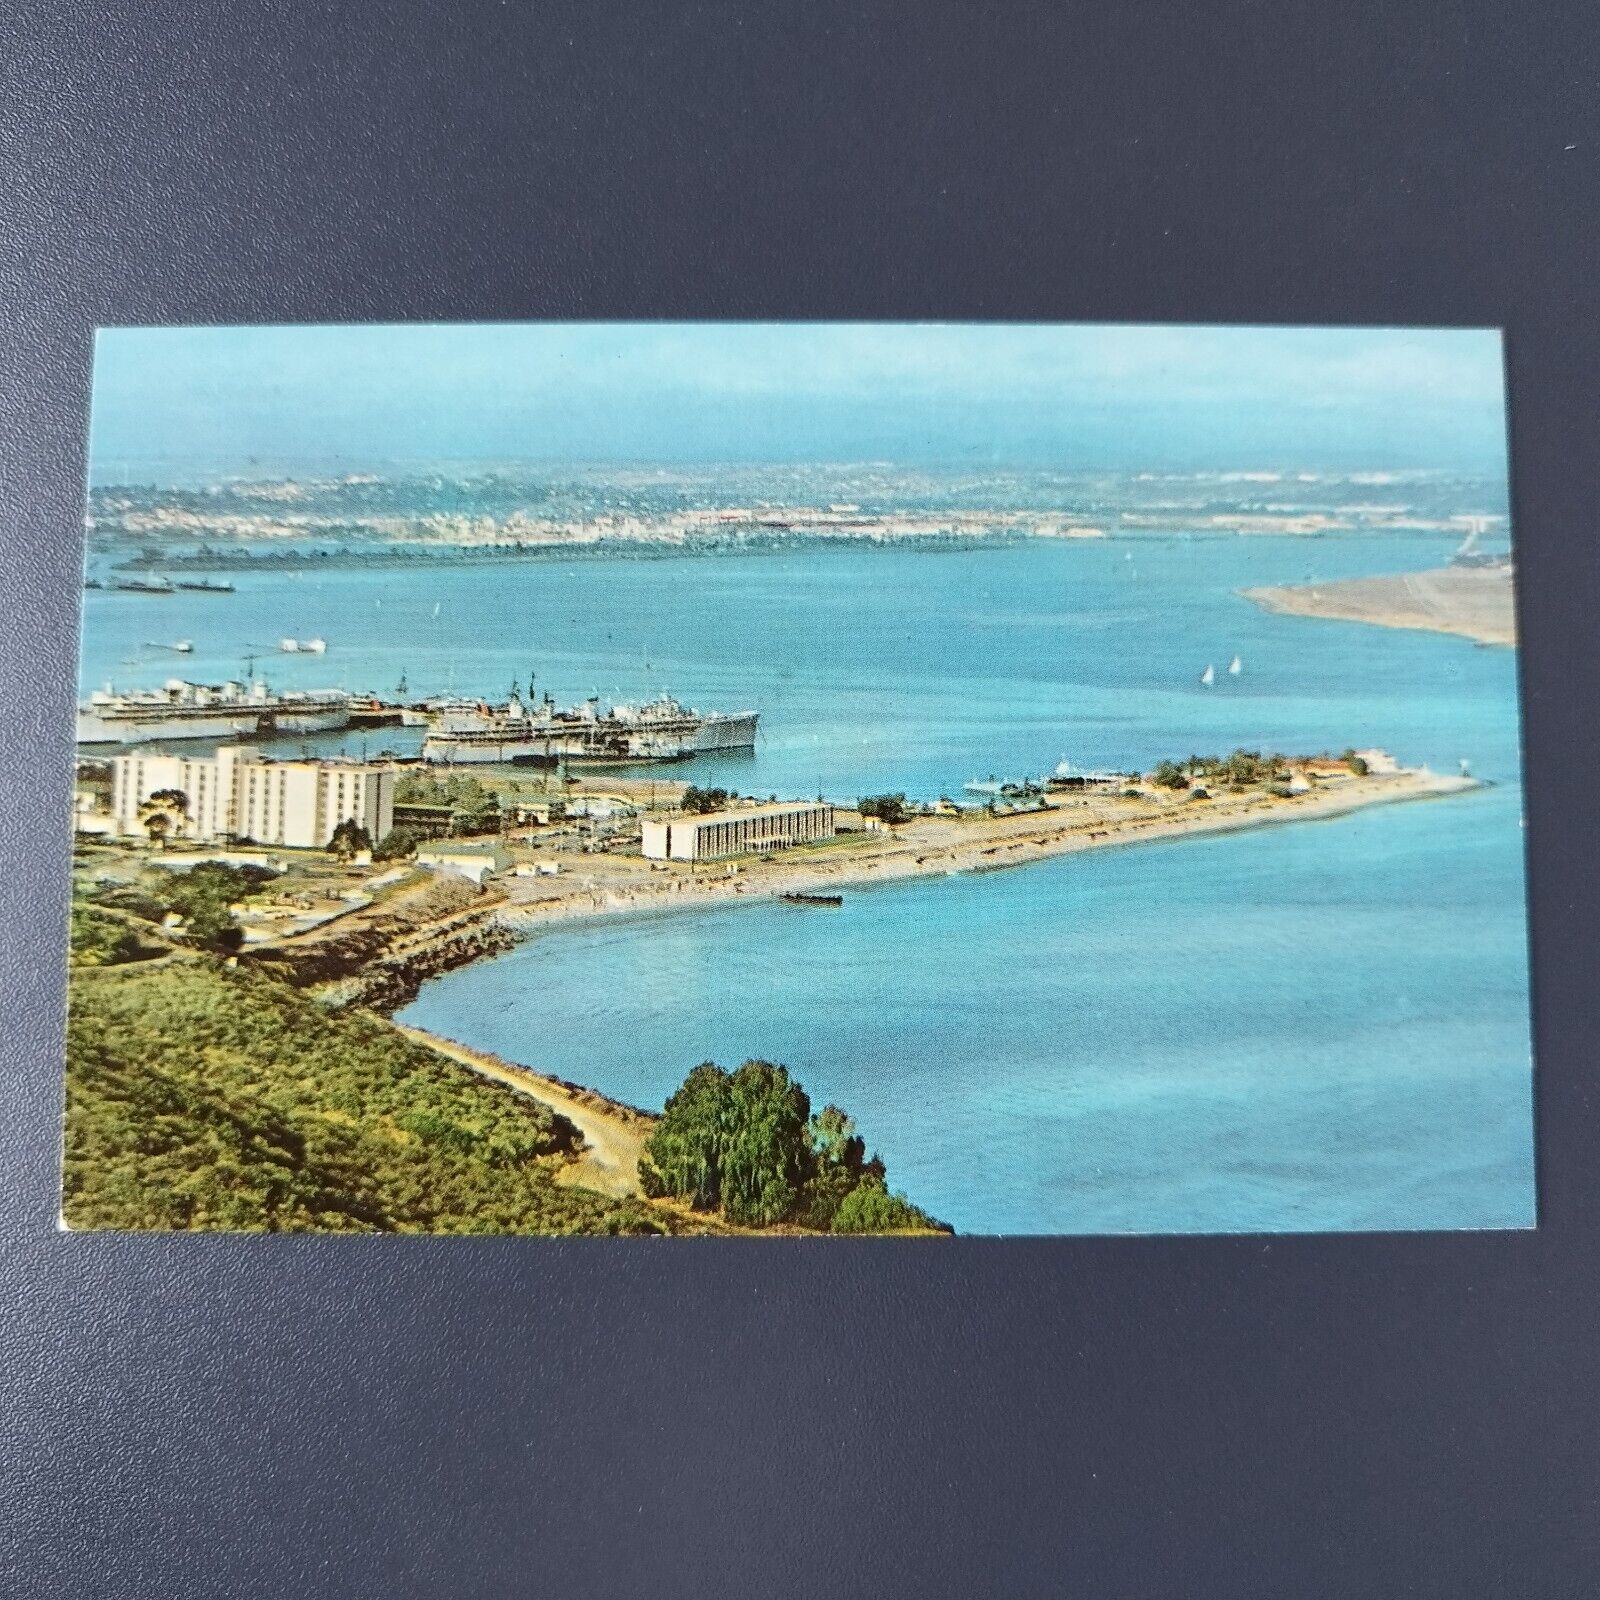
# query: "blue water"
[[1316, 1026]]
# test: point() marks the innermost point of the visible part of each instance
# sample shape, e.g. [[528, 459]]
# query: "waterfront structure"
[[183, 710], [542, 734], [474, 861], [237, 794], [732, 833]]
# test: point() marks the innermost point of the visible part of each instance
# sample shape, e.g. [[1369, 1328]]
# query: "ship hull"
[[96, 727], [593, 744]]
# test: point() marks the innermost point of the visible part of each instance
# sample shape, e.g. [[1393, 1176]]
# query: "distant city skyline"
[[1073, 397]]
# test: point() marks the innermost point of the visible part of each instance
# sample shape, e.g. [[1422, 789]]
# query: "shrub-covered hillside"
[[204, 1097]]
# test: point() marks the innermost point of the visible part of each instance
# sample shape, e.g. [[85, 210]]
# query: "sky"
[[1070, 396]]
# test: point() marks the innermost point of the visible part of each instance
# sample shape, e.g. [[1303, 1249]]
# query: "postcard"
[[797, 780]]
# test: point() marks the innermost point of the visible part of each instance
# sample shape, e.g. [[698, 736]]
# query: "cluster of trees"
[[890, 808], [473, 808], [202, 897], [745, 1145], [203, 1097], [700, 801], [1243, 769]]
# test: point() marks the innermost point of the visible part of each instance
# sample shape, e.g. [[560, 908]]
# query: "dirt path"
[[614, 1135]]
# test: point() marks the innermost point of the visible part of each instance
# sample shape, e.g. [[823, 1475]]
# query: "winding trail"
[[614, 1135]]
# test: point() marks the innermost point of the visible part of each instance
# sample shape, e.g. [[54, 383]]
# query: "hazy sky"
[[1074, 396]]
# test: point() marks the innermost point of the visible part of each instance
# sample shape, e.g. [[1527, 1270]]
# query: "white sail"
[[1236, 666], [1209, 676]]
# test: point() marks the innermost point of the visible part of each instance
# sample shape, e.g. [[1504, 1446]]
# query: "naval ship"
[[542, 735], [182, 710]]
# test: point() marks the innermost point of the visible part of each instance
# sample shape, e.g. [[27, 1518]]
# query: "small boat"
[[141, 586], [183, 647], [1209, 676], [989, 785], [1236, 666], [796, 898], [204, 586]]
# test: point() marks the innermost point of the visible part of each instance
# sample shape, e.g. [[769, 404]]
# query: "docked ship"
[[543, 735], [181, 710]]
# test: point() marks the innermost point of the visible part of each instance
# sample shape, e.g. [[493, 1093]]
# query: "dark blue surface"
[[1232, 1417]]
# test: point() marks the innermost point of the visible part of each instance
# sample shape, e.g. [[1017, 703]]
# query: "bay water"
[[1313, 1026]]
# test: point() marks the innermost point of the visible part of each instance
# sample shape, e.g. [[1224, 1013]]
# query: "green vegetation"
[[473, 808], [745, 1145], [348, 839], [398, 844], [200, 1096], [99, 938], [201, 896], [164, 813], [701, 801], [890, 808], [1244, 769]]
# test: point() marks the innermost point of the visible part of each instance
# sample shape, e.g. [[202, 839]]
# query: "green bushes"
[[398, 844], [701, 802], [203, 1097], [98, 939], [473, 808], [890, 808], [745, 1144], [870, 1208]]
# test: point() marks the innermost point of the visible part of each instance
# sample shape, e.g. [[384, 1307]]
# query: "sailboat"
[[1209, 676], [1236, 666]]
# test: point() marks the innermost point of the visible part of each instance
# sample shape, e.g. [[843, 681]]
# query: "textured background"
[[1301, 1416]]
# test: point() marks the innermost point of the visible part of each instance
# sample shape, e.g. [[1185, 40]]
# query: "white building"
[[474, 861], [732, 833], [239, 794]]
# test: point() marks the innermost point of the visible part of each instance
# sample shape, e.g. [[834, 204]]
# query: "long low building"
[[736, 833], [238, 794]]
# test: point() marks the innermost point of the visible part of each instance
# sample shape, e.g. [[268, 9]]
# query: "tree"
[[870, 1208], [683, 1157], [164, 812], [839, 1165], [890, 808], [701, 801], [397, 844], [766, 1152], [349, 838], [1169, 775], [745, 1144]]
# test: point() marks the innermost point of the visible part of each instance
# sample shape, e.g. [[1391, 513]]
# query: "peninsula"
[[936, 845], [1476, 602]]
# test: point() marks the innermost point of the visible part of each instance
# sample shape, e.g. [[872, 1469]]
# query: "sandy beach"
[[1476, 602], [612, 885]]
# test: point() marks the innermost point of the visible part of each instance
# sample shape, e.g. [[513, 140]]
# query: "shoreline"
[[942, 847], [1470, 602]]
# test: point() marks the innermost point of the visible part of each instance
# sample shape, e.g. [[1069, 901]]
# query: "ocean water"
[[1314, 1026]]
